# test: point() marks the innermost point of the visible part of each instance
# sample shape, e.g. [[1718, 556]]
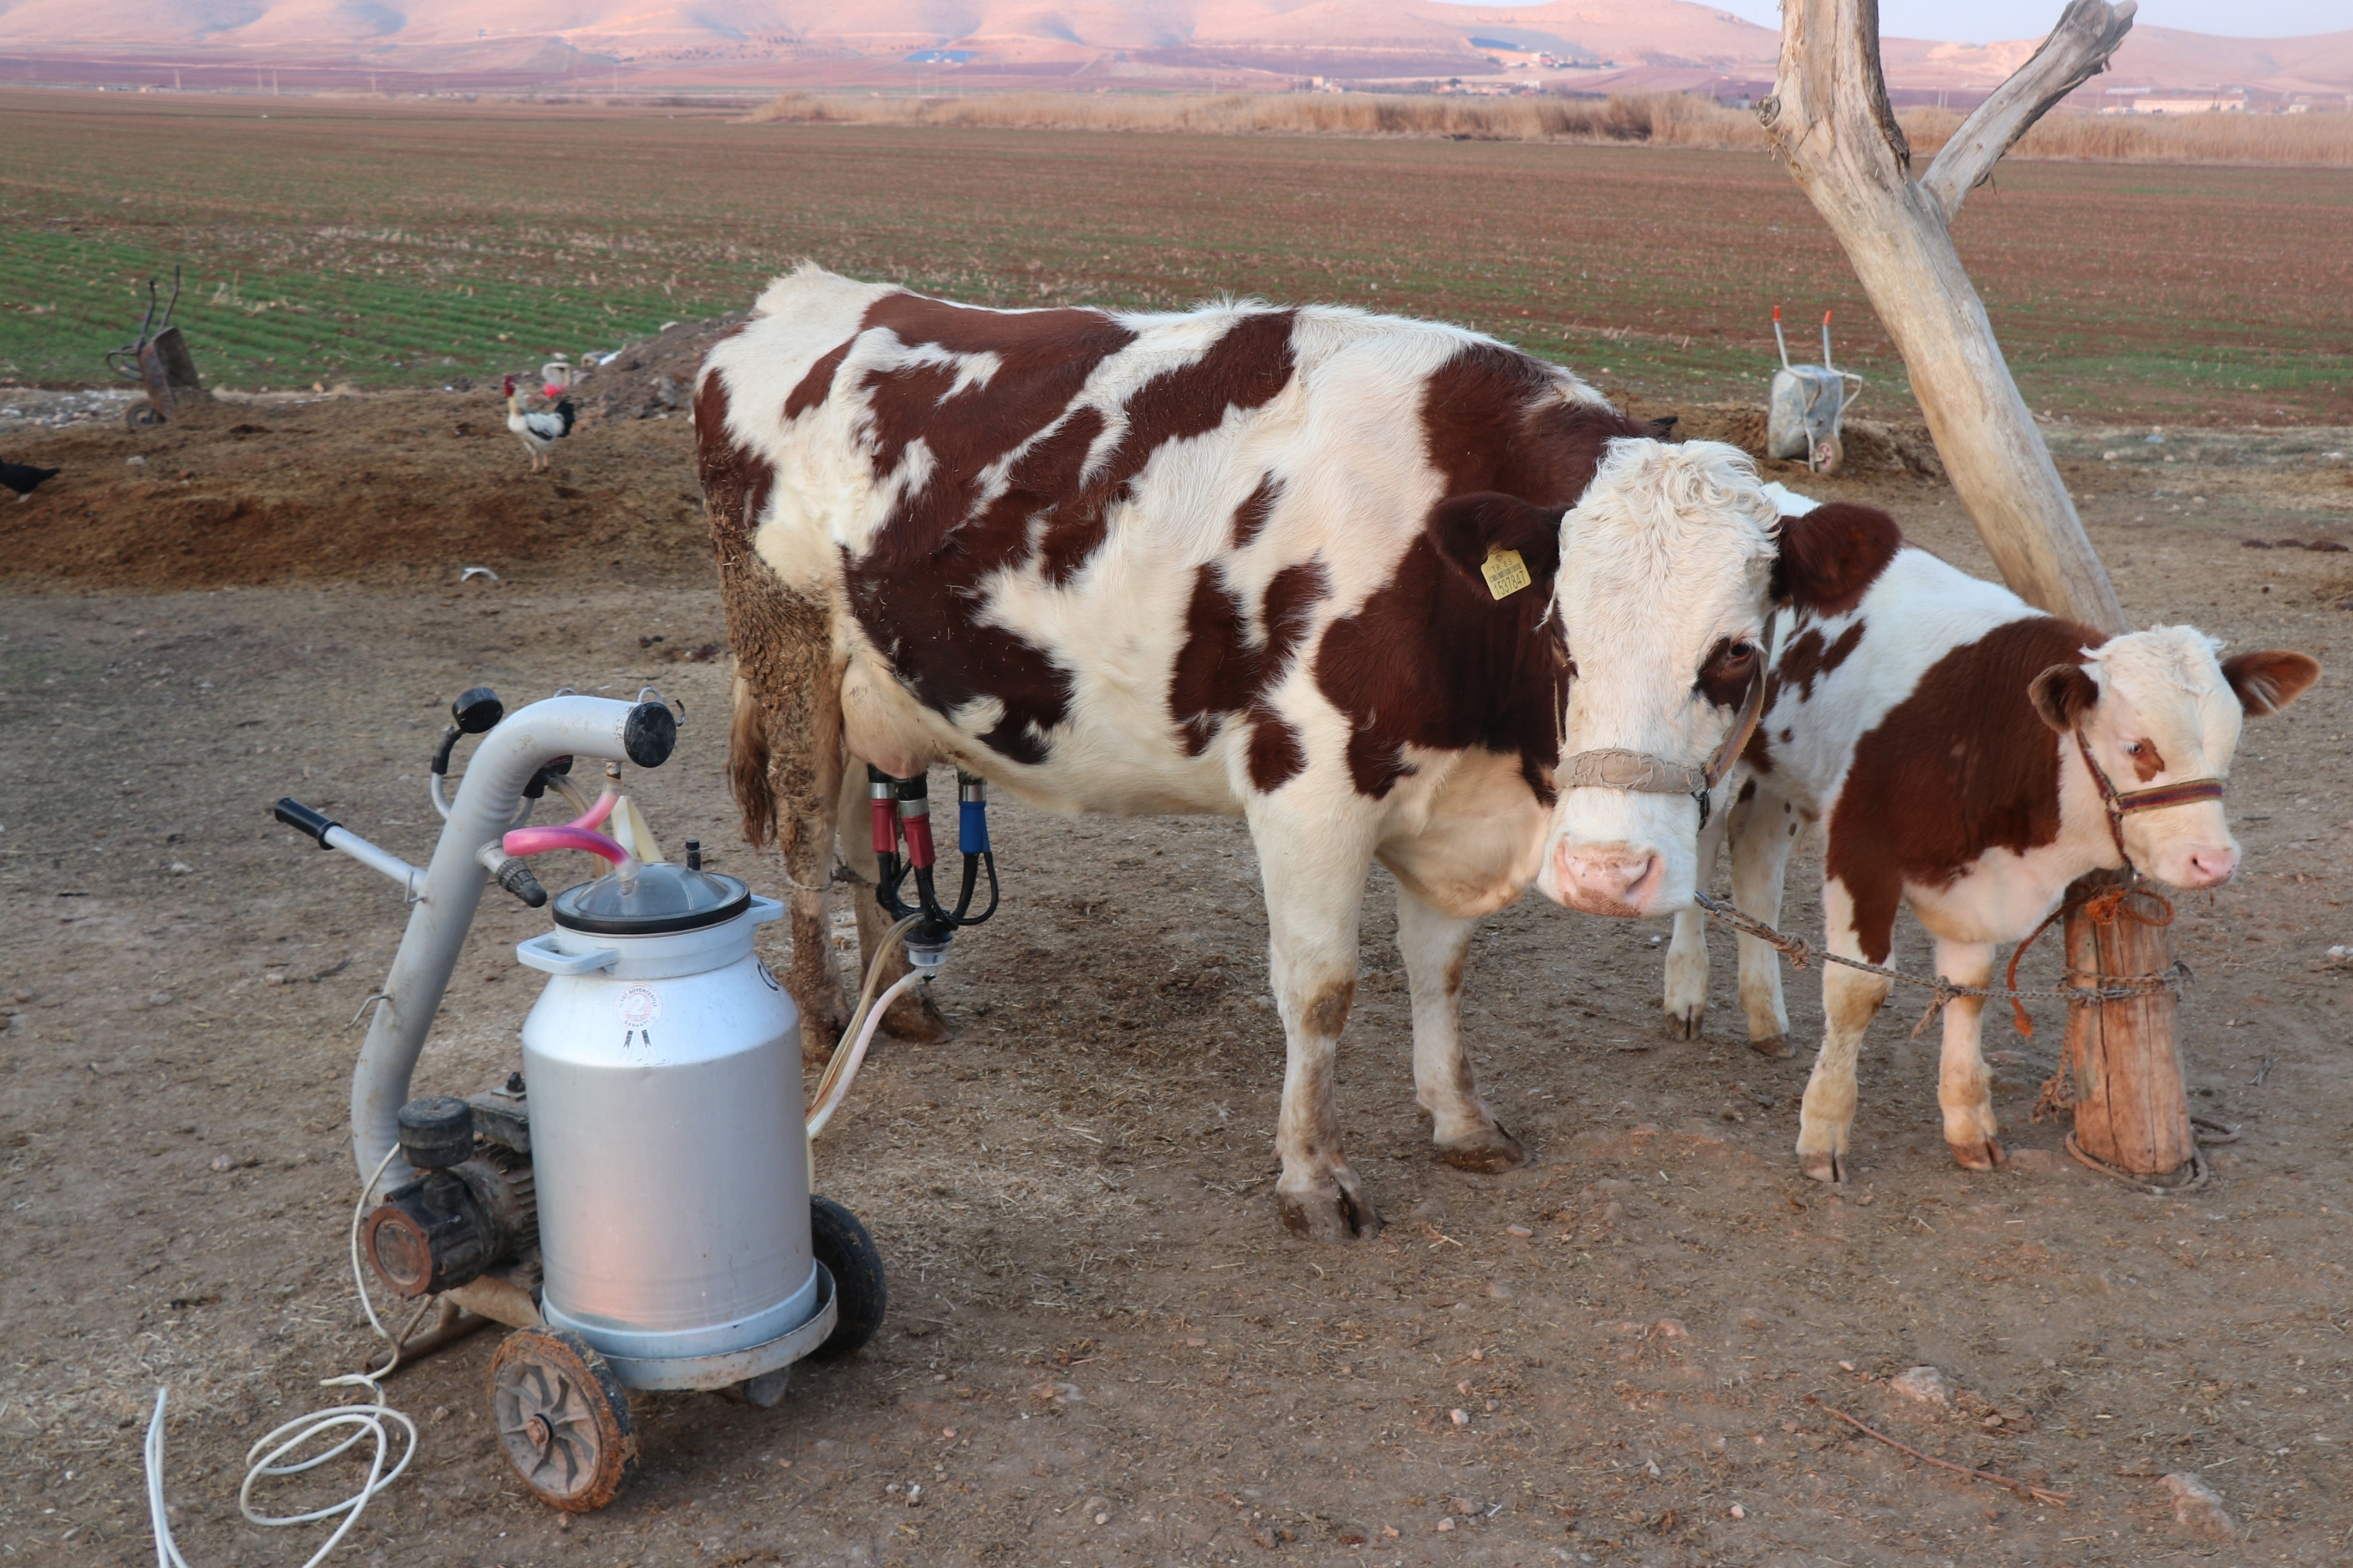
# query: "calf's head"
[[2154, 710], [1672, 564]]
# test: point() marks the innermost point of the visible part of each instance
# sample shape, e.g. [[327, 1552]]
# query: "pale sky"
[[1984, 21]]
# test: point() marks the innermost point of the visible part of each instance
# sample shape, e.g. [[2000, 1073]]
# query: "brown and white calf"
[[1231, 561], [1945, 735]]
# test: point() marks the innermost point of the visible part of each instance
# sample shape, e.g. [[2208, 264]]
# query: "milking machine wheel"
[[563, 1420], [848, 1253]]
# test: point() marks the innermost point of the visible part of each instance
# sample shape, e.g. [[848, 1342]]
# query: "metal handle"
[[302, 819], [540, 952], [765, 909]]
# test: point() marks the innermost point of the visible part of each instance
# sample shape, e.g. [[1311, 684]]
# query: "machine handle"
[[540, 953], [302, 819], [765, 909]]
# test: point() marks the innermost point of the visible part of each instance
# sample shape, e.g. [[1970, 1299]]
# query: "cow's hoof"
[[1338, 1215], [1774, 1048], [1981, 1154], [1685, 1025], [1486, 1151], [1829, 1168], [915, 1018]]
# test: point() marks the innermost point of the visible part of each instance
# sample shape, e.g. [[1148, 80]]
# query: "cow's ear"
[[1831, 556], [2062, 694], [1663, 427], [1470, 528], [2267, 681]]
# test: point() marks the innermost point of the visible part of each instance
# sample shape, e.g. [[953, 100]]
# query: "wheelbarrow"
[[159, 361]]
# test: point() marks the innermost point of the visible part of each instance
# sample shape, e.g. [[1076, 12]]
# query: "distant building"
[[2170, 100]]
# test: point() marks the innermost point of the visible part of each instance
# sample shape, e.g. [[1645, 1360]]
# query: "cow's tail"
[[784, 763], [747, 766]]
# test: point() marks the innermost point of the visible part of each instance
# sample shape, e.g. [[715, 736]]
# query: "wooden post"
[[1829, 116], [2130, 1112]]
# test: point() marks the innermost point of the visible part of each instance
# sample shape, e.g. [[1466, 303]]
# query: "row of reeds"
[[1680, 120]]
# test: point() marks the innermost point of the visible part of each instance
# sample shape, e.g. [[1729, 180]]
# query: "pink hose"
[[540, 840]]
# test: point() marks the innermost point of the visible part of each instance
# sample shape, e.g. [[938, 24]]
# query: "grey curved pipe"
[[487, 800]]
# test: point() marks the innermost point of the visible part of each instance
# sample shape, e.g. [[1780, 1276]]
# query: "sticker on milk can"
[[639, 1008]]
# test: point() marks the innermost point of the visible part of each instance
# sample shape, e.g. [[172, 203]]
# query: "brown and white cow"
[[1230, 561], [1945, 735]]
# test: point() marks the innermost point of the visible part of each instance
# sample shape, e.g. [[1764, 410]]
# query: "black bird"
[[24, 479]]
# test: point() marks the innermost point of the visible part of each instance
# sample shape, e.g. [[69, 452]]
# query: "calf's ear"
[[2062, 694], [1831, 556], [1469, 528], [2268, 680]]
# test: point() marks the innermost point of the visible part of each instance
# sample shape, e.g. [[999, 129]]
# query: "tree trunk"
[[1829, 115]]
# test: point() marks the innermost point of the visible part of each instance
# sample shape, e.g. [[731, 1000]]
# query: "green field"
[[402, 243]]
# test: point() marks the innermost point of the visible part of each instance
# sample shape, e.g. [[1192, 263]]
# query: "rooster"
[[538, 431], [24, 479]]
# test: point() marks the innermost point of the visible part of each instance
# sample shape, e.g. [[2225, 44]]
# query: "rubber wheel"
[[841, 1244], [563, 1420], [139, 415]]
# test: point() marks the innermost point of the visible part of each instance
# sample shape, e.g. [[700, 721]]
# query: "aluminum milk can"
[[663, 1069]]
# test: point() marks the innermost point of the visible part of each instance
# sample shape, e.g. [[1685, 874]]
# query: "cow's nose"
[[1613, 879], [2212, 868]]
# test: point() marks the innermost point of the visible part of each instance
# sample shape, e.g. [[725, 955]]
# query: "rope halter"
[[1614, 768], [2120, 806]]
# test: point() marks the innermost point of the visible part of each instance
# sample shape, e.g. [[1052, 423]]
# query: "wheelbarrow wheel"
[[563, 1420], [139, 415], [841, 1244]]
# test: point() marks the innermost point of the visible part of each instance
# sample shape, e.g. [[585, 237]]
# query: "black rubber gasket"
[[653, 925]]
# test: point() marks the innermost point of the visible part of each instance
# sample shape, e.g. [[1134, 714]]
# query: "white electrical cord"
[[269, 1455], [831, 1101]]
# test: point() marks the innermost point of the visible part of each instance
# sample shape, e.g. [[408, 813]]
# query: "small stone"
[[1446, 1523], [1460, 1418], [1738, 1511], [1924, 1385], [1517, 1230], [182, 869], [275, 977], [224, 1163], [2198, 1508], [1102, 1519], [1669, 1328], [135, 462]]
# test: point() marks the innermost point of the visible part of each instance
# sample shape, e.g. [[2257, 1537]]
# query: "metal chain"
[[2110, 988]]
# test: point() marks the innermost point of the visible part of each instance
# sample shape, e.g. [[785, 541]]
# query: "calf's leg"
[[1762, 829], [1435, 946], [1315, 871], [1686, 998], [914, 1016], [1850, 999], [1963, 1084]]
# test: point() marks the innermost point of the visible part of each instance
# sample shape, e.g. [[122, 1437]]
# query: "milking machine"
[[634, 1204]]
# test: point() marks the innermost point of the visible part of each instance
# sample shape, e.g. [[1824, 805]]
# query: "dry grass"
[[1677, 120], [1675, 117], [2161, 139]]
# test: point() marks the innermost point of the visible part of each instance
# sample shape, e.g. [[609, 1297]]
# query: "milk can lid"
[[661, 897]]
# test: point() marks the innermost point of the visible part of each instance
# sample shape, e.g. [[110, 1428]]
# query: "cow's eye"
[[1741, 650], [2134, 748]]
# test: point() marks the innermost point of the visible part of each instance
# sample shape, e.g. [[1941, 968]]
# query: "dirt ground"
[[1103, 1347]]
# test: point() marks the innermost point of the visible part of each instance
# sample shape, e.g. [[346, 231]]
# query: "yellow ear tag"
[[1505, 573]]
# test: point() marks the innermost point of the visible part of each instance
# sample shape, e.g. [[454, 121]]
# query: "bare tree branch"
[[2076, 51]]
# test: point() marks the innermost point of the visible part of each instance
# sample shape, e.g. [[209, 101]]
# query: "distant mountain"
[[1586, 45]]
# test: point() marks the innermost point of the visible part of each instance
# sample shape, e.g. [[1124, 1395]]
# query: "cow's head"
[[2156, 709], [1672, 564]]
